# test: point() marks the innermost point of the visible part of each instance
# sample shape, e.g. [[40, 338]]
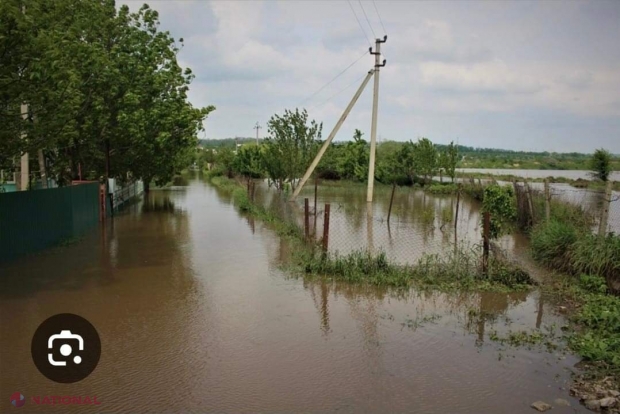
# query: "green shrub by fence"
[[34, 220]]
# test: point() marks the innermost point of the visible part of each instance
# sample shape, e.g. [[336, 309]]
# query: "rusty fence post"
[[326, 228], [306, 219], [486, 233], [602, 228]]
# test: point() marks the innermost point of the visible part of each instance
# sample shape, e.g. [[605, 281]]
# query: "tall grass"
[[570, 247], [551, 243], [460, 270], [597, 256]]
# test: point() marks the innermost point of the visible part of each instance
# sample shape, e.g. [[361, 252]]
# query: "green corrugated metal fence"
[[34, 220]]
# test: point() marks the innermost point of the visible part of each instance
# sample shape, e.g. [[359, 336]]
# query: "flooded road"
[[196, 315]]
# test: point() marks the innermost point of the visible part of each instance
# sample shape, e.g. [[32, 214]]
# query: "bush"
[[551, 243], [500, 202], [597, 255]]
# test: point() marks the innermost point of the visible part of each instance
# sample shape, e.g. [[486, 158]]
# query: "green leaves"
[[94, 76], [292, 144], [600, 164], [500, 202]]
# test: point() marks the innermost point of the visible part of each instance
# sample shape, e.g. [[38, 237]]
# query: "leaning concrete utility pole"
[[373, 129], [257, 127], [331, 136]]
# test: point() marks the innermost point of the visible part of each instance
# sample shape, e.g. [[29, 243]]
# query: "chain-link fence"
[[540, 201], [423, 224], [419, 223]]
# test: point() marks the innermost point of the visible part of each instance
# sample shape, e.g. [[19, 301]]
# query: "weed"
[[551, 243]]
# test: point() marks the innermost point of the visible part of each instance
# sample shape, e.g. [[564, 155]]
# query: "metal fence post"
[[326, 228], [486, 232], [602, 228]]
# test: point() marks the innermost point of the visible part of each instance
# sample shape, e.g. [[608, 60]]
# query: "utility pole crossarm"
[[331, 136]]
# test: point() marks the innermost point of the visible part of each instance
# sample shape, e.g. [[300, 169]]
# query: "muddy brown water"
[[195, 314]]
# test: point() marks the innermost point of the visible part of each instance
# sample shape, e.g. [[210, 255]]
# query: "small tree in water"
[[600, 164]]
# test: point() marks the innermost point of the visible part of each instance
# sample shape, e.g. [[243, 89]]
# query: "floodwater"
[[195, 314], [571, 174]]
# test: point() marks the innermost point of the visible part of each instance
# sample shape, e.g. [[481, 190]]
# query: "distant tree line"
[[293, 141]]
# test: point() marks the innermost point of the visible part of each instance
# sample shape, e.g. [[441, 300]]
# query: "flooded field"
[[196, 314], [572, 174]]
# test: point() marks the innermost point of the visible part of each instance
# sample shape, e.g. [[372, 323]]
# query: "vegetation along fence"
[[33, 220]]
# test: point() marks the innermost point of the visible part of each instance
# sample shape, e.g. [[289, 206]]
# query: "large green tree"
[[290, 147], [105, 93]]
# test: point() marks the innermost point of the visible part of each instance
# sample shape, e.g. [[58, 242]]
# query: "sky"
[[538, 76]]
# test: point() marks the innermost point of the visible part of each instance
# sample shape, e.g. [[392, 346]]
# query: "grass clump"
[[437, 188], [457, 271], [551, 243], [597, 255]]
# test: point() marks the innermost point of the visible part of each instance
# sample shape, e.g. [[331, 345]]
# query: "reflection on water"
[[196, 315]]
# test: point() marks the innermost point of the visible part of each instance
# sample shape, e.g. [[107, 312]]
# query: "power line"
[[335, 77], [360, 23], [380, 20], [365, 15], [339, 92]]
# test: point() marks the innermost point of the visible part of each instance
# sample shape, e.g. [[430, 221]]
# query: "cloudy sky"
[[541, 75]]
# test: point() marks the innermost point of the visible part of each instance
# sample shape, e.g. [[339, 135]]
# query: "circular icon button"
[[66, 348]]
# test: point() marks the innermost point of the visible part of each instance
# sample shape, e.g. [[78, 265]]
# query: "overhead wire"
[[339, 92], [333, 79], [367, 20], [360, 23], [380, 20]]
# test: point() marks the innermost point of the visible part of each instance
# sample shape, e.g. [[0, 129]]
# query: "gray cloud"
[[522, 75]]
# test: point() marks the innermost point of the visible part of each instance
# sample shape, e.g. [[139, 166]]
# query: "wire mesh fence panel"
[[422, 223]]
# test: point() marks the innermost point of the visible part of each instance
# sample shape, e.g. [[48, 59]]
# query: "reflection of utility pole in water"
[[324, 307], [539, 316]]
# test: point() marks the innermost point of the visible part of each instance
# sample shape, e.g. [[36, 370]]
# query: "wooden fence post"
[[547, 201], [326, 228], [530, 202], [391, 201], [602, 228], [306, 218], [486, 233], [456, 214]]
